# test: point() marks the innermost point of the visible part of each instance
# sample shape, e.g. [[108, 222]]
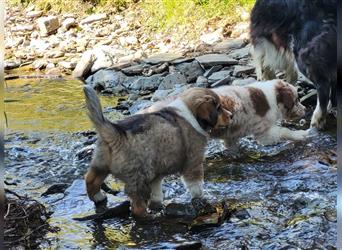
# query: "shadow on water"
[[283, 196]]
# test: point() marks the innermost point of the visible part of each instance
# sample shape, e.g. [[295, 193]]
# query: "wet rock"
[[202, 82], [162, 58], [190, 70], [212, 70], [56, 189], [241, 53], [171, 80], [12, 64], [155, 69], [34, 13], [133, 70], [210, 60], [109, 80], [85, 153], [213, 37], [225, 81], [48, 25], [240, 70], [93, 18], [150, 83], [218, 76], [189, 245], [160, 94], [139, 105], [243, 82], [230, 44], [69, 23], [174, 210]]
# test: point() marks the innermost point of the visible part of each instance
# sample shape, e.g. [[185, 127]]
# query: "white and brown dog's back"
[[256, 108]]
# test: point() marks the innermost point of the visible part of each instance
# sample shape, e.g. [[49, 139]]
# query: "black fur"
[[310, 26]]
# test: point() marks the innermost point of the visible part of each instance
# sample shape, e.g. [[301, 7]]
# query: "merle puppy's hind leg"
[[319, 115], [94, 179]]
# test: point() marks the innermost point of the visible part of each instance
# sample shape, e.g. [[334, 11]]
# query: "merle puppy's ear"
[[206, 110], [285, 95]]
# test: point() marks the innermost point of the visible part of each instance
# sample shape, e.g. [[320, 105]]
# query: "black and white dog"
[[292, 35]]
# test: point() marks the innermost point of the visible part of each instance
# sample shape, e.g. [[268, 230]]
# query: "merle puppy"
[[297, 34]]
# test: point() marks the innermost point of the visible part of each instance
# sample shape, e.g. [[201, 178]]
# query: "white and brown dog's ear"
[[285, 95]]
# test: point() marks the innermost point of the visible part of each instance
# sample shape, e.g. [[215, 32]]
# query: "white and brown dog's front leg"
[[277, 134], [193, 180]]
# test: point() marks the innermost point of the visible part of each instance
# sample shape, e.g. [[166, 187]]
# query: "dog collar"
[[183, 110]]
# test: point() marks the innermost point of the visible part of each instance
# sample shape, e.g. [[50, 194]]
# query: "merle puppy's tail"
[[104, 127]]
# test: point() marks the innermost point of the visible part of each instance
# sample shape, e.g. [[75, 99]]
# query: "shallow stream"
[[285, 196]]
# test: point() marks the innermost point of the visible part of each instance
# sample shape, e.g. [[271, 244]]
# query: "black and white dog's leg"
[[319, 115], [263, 51]]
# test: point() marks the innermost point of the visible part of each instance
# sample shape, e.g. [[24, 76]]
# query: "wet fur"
[[256, 108], [141, 150]]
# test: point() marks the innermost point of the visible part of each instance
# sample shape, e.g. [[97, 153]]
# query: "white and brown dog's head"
[[288, 101], [206, 107]]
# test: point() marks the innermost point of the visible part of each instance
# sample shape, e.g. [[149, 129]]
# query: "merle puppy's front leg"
[[156, 194], [192, 177]]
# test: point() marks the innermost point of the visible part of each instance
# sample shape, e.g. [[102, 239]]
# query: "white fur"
[[195, 188], [185, 112], [268, 60], [156, 191], [100, 196], [264, 129], [317, 117]]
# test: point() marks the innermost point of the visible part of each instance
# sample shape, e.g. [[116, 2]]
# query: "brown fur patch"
[[259, 101], [285, 95], [228, 103], [203, 104]]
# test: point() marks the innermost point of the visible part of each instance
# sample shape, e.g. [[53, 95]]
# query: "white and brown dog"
[[142, 149], [256, 109]]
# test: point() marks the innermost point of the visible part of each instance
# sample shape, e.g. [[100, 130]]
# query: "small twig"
[[14, 193], [25, 236], [8, 210]]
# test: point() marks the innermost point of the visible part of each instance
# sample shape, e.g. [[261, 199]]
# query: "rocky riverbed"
[[281, 196]]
